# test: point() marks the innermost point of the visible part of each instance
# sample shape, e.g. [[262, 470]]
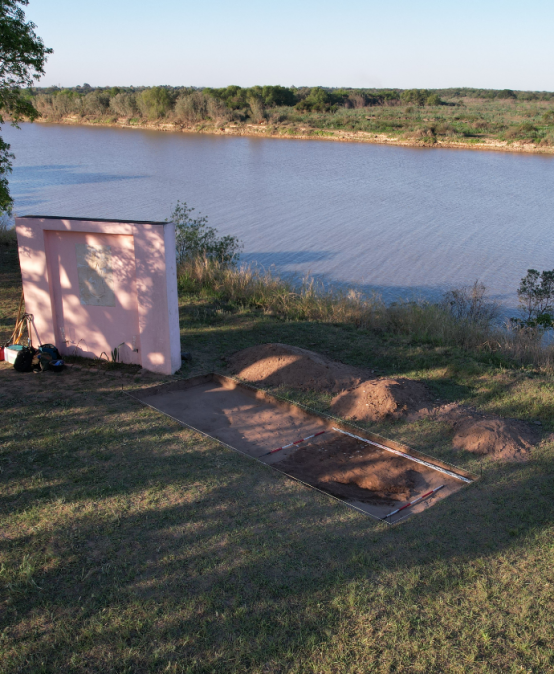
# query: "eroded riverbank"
[[304, 133]]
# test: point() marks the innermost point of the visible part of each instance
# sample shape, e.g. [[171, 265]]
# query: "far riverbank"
[[298, 132]]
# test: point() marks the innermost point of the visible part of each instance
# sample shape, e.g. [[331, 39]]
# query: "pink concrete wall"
[[140, 315]]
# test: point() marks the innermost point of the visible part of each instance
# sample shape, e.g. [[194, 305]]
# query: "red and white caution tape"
[[407, 456], [412, 503], [293, 443]]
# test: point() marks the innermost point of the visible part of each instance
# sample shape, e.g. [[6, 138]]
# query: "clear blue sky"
[[359, 43]]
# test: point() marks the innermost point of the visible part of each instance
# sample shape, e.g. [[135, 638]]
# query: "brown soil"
[[382, 399], [293, 367], [373, 400], [234, 414], [350, 469], [505, 439], [369, 477]]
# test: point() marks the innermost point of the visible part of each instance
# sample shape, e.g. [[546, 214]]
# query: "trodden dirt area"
[[362, 474], [360, 396]]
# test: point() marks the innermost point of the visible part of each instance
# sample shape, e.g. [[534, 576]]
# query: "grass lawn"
[[131, 544]]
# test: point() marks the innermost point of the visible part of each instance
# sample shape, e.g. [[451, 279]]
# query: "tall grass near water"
[[463, 318], [7, 230]]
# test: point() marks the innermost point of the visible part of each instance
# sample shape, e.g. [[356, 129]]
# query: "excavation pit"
[[365, 471]]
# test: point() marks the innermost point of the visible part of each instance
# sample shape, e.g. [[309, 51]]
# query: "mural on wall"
[[94, 267]]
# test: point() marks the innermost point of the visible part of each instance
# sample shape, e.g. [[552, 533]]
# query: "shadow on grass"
[[130, 544], [155, 545]]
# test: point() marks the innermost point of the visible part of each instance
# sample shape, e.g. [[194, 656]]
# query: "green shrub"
[[318, 100], [527, 131], [154, 103], [276, 96], [257, 108], [416, 96], [192, 107], [536, 298], [95, 104], [434, 99], [124, 104], [196, 240]]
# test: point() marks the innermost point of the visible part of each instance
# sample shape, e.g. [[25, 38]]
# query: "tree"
[[506, 93], [154, 102], [257, 113], [277, 95], [415, 96], [536, 297], [318, 100], [22, 59], [193, 107], [434, 99], [195, 239]]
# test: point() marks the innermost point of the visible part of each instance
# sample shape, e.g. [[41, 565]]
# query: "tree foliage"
[[124, 104], [155, 102], [194, 238], [434, 99], [536, 298], [320, 100], [22, 59], [415, 96], [236, 98]]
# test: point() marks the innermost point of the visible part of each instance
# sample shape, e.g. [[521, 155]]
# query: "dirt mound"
[[499, 438], [293, 367], [381, 399], [350, 469]]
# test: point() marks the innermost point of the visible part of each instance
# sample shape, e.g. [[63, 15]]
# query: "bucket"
[[10, 352]]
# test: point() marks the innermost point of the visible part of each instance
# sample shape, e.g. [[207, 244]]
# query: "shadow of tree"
[[157, 548], [129, 544]]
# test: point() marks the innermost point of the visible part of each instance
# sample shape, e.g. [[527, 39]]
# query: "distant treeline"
[[193, 105]]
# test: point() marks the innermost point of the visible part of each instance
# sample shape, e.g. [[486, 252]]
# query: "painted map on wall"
[[94, 267]]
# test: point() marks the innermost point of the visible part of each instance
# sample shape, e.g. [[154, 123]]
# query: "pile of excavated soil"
[[381, 399], [293, 367], [372, 400], [505, 439], [350, 469]]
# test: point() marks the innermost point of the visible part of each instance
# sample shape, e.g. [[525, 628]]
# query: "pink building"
[[94, 286]]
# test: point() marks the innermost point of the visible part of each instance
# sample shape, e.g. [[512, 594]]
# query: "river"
[[406, 222]]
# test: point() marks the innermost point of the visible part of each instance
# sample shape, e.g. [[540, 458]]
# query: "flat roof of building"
[[69, 217]]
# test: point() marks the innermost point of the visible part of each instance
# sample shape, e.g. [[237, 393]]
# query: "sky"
[[357, 43]]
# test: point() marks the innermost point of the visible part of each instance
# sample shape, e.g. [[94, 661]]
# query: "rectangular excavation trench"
[[365, 471]]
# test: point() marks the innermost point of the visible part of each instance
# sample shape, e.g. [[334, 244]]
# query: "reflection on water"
[[404, 221]]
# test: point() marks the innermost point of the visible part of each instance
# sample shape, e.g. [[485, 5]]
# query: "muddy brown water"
[[361, 474], [406, 222]]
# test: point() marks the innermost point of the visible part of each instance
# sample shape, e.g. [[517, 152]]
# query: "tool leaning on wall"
[[25, 357]]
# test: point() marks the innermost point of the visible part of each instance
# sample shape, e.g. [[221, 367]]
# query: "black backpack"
[[24, 359], [49, 357]]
